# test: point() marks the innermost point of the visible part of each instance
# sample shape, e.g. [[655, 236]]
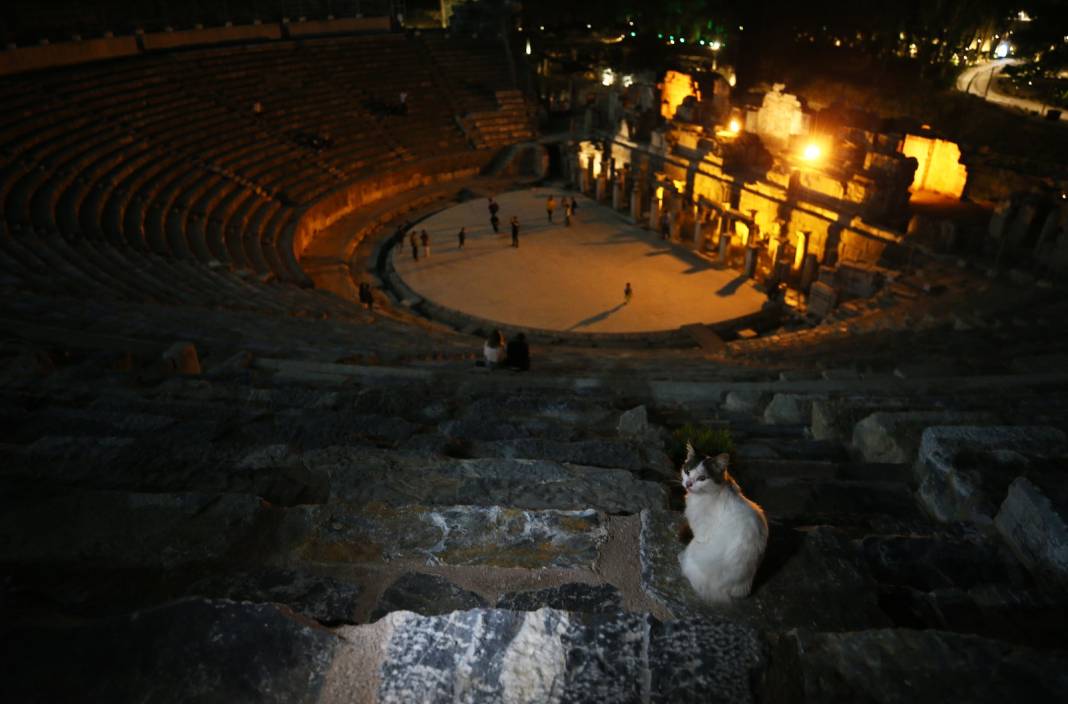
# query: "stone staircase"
[[508, 124], [294, 530]]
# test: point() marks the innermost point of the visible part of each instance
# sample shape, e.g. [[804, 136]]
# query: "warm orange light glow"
[[812, 152], [734, 125]]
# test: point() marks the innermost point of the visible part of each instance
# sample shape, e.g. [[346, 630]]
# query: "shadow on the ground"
[[732, 286], [596, 318]]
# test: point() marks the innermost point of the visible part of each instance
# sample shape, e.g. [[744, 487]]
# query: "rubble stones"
[[965, 471]]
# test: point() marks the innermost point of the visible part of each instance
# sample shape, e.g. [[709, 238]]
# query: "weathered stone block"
[[191, 650], [323, 598], [425, 594], [181, 358], [634, 423], [964, 472], [791, 409], [117, 529], [894, 437], [1032, 522], [454, 535], [587, 598], [556, 656], [745, 401], [898, 665]]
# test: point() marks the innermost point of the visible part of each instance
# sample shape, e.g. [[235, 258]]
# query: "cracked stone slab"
[[489, 655], [359, 476], [453, 535]]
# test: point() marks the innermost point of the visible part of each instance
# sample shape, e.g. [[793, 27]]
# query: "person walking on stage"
[[574, 207], [494, 220], [462, 237], [515, 231], [550, 206], [567, 213], [426, 244], [415, 246], [627, 293]]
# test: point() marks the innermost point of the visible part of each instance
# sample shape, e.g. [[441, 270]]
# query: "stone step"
[[199, 648], [912, 665]]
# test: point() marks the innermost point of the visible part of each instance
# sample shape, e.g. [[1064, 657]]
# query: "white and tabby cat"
[[730, 532]]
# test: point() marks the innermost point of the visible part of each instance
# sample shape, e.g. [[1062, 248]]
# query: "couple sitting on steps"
[[514, 356]]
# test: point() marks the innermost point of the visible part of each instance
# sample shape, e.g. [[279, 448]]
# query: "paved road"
[[569, 278], [978, 81]]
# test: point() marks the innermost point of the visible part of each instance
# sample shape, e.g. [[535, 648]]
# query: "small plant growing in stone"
[[705, 441]]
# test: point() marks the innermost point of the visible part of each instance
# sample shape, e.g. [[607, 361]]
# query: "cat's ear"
[[690, 454], [721, 461]]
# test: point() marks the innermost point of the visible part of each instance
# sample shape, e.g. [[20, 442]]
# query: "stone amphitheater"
[[225, 480]]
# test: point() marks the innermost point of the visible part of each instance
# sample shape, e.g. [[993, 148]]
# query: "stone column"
[[809, 270], [602, 187], [699, 229], [617, 192], [654, 212], [724, 239], [752, 253], [636, 202]]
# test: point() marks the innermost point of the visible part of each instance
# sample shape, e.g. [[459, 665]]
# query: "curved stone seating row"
[[188, 164]]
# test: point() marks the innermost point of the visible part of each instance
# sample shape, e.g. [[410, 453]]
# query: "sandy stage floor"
[[568, 278]]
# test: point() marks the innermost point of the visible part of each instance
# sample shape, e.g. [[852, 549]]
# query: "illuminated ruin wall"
[[777, 203], [677, 87], [940, 170]]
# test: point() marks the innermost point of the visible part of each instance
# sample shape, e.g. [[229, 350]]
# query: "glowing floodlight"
[[715, 45], [628, 80], [608, 77], [734, 125], [1002, 50], [528, 47], [812, 152]]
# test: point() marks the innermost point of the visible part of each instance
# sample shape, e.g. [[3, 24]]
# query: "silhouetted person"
[[519, 353], [550, 206], [574, 207], [425, 238], [493, 208], [366, 297], [462, 237], [494, 352], [627, 293], [567, 213], [515, 231]]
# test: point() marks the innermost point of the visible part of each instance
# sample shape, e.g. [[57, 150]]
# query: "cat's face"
[[704, 474]]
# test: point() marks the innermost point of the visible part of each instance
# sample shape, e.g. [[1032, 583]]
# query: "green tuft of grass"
[[705, 441]]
